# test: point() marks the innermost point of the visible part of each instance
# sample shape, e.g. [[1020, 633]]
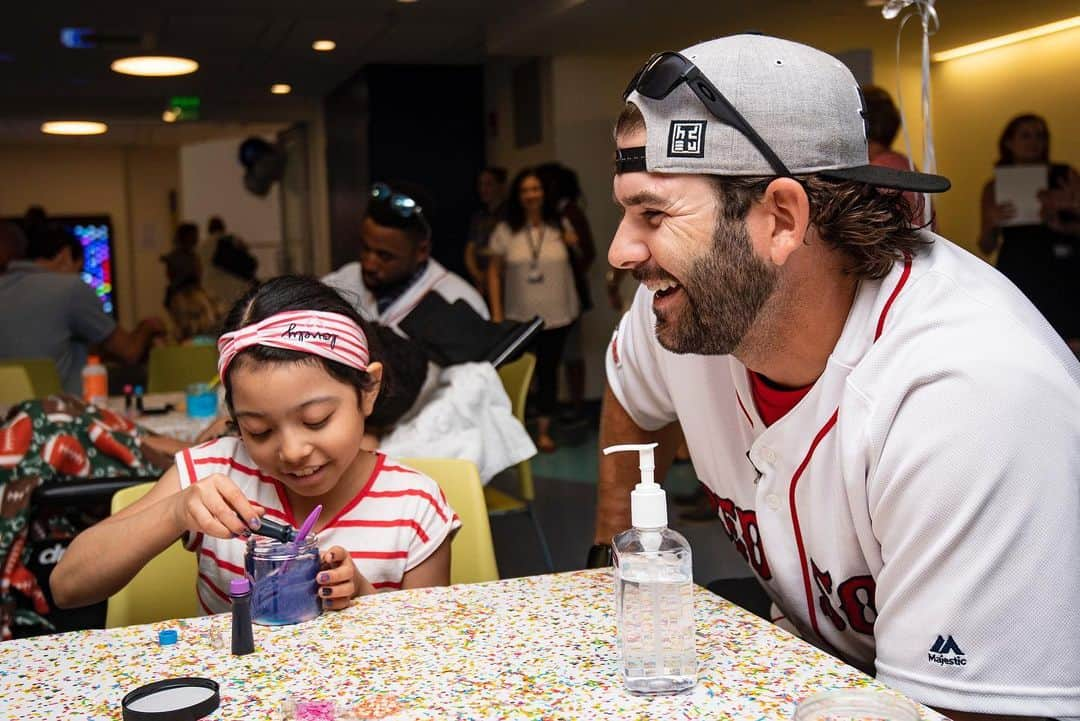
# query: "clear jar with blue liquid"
[[283, 575]]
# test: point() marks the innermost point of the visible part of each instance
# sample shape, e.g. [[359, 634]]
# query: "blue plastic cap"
[[167, 637], [138, 390]]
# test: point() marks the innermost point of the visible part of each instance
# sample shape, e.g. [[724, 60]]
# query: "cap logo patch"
[[686, 139]]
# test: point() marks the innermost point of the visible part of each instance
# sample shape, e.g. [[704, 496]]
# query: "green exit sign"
[[186, 107]]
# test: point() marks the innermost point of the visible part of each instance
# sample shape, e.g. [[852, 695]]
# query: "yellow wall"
[[129, 184], [974, 98]]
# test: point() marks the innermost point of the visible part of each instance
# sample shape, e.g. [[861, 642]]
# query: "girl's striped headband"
[[330, 335]]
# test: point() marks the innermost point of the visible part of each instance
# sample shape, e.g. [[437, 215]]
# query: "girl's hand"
[[217, 507], [339, 580]]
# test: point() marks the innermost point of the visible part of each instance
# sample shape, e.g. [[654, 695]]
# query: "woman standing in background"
[[1041, 259], [530, 274]]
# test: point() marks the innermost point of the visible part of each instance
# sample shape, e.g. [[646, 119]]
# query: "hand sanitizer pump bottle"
[[654, 591]]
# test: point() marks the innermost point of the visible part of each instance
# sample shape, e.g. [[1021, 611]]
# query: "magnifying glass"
[[174, 699]]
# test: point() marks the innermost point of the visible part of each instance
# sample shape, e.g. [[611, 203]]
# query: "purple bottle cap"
[[239, 586]]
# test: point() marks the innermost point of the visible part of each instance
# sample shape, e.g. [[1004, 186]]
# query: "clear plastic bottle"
[[654, 592], [95, 382]]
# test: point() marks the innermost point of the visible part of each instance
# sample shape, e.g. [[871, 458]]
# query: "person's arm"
[[131, 347], [105, 557], [473, 265], [432, 571], [992, 216], [619, 472], [102, 559], [495, 287]]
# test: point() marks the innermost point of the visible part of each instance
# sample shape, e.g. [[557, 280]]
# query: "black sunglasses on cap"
[[400, 204], [659, 77]]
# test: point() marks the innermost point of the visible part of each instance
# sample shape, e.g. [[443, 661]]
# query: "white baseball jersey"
[[399, 518], [349, 281], [918, 511]]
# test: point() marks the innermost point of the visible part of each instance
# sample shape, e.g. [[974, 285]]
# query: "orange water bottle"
[[95, 382]]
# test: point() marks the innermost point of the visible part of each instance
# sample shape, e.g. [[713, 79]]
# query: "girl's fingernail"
[[324, 578], [254, 523], [325, 591]]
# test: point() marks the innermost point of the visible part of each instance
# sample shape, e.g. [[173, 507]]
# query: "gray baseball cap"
[[803, 104]]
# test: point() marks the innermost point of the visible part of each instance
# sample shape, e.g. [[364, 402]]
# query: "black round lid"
[[174, 699]]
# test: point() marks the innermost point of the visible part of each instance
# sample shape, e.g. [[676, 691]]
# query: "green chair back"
[[165, 587], [15, 386], [44, 378], [472, 552], [516, 378], [173, 368]]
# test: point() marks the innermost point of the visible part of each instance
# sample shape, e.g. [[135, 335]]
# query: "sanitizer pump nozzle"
[[648, 502]]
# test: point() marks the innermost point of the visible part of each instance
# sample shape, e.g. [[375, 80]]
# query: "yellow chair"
[[44, 378], [15, 386], [173, 367], [472, 558], [516, 378], [163, 589]]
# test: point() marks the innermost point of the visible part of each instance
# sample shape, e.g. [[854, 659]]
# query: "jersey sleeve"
[[635, 369], [975, 501], [435, 521]]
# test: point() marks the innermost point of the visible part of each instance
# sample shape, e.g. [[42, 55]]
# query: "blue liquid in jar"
[[284, 589]]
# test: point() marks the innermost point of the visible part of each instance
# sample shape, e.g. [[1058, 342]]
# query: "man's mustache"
[[649, 273]]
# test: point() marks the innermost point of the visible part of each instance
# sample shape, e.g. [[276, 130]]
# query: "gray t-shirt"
[[50, 315]]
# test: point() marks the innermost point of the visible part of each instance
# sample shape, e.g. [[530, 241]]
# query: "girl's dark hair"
[[515, 211], [1005, 156], [295, 292]]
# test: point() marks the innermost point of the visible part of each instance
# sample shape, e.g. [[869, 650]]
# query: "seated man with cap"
[[396, 270], [889, 429]]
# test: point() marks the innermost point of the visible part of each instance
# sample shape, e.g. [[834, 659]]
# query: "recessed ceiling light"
[[281, 88], [406, 2], [73, 127], [154, 66], [323, 46]]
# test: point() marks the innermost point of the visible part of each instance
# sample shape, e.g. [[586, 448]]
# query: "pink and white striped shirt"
[[398, 519]]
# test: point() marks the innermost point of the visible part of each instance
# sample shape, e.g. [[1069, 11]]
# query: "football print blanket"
[[56, 439]]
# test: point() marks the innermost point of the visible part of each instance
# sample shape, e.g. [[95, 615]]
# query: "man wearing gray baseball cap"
[[889, 429]]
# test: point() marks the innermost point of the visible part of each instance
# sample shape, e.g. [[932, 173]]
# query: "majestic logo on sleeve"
[[686, 139], [945, 652]]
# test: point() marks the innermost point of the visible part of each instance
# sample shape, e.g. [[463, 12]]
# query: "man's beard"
[[724, 292]]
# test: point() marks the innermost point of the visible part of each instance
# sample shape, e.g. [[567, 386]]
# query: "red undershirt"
[[773, 403]]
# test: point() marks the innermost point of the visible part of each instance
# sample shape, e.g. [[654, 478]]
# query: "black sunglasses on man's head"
[[666, 71]]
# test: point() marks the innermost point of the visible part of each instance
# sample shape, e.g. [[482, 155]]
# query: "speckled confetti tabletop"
[[541, 647]]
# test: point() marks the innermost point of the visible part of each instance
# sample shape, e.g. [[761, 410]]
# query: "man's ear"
[[367, 398], [783, 216]]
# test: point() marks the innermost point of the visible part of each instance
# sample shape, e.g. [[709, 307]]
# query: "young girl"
[[299, 384]]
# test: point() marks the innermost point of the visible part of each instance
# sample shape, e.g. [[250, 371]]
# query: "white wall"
[[212, 183], [131, 185], [588, 97]]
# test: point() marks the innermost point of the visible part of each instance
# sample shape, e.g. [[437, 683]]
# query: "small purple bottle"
[[243, 640]]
